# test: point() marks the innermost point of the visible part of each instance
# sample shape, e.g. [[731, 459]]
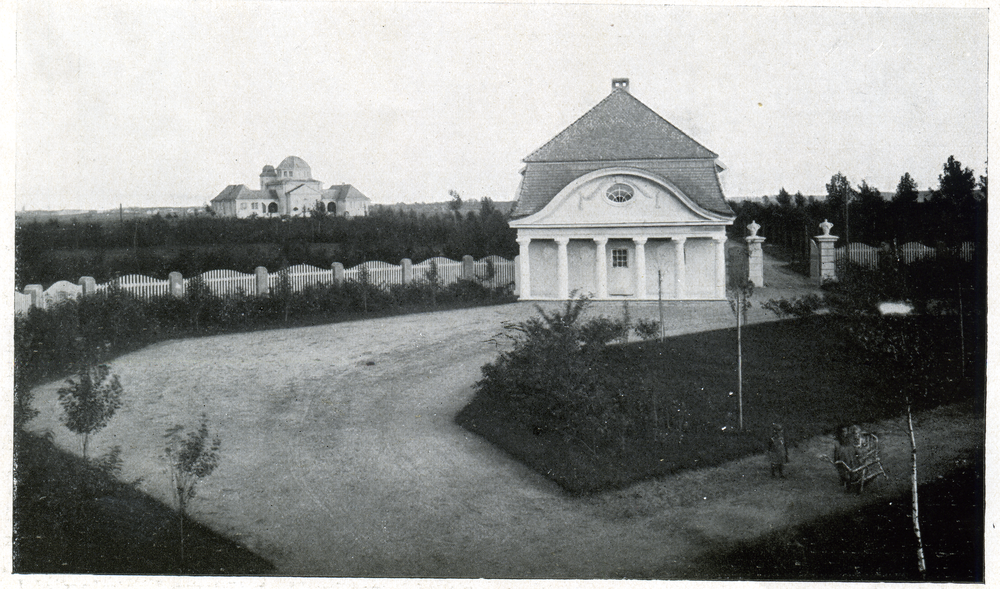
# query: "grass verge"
[[70, 519], [795, 373]]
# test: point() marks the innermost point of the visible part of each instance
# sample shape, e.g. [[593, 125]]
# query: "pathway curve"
[[340, 457]]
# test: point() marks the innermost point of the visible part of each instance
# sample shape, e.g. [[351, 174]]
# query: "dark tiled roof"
[[620, 132], [698, 179], [238, 191], [619, 127], [342, 192]]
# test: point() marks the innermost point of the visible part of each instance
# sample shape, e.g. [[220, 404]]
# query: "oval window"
[[619, 193]]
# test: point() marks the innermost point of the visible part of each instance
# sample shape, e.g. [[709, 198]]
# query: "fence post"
[[37, 295], [407, 265], [88, 286], [338, 273], [468, 268], [176, 284], [262, 282]]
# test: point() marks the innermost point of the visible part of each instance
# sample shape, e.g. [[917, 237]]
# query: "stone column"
[[755, 256], [680, 288], [601, 266], [525, 291], [827, 254], [720, 265], [517, 274], [406, 265], [338, 273], [562, 290], [176, 284], [263, 284], [640, 267]]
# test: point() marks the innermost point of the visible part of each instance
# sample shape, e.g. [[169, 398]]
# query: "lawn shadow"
[[72, 519]]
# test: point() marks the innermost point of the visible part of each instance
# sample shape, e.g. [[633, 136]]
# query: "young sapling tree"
[[190, 458], [90, 400]]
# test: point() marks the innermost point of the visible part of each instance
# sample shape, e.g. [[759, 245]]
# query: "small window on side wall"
[[619, 258]]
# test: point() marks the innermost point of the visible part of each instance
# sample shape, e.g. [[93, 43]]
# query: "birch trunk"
[[921, 564]]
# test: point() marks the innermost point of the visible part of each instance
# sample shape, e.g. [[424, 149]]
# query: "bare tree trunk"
[[921, 563], [659, 296]]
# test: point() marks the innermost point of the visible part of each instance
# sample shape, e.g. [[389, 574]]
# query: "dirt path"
[[340, 457]]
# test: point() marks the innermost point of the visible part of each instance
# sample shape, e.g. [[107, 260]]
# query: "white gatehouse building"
[[622, 205]]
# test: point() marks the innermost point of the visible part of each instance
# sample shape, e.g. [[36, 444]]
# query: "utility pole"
[[659, 296]]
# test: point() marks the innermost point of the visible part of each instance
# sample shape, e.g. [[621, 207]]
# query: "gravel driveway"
[[340, 457]]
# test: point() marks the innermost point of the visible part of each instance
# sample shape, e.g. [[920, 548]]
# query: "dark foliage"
[[74, 517], [52, 251], [955, 212], [55, 342], [594, 417]]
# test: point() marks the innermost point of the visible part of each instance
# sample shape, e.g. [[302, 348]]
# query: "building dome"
[[268, 171], [297, 166]]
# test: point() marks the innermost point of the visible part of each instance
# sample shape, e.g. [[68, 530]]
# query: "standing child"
[[777, 451]]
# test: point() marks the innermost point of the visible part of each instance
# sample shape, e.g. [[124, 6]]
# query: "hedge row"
[[50, 343]]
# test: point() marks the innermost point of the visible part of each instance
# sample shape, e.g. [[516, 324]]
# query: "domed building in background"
[[289, 190]]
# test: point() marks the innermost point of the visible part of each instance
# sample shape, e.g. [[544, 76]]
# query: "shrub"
[[555, 380], [90, 399], [647, 328], [797, 307]]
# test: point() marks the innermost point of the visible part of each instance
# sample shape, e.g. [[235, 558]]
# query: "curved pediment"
[[621, 196]]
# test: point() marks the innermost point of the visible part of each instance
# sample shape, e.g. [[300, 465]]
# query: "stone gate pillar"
[[827, 266], [755, 256], [176, 284]]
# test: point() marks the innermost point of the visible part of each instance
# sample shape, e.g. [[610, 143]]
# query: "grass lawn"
[[794, 372]]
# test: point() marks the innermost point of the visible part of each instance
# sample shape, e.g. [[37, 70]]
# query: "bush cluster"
[[557, 379]]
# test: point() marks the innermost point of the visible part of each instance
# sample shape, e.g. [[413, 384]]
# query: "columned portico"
[[679, 270], [640, 267], [562, 268], [622, 205], [720, 265], [601, 266]]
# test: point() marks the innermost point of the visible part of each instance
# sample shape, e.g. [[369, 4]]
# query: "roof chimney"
[[617, 83]]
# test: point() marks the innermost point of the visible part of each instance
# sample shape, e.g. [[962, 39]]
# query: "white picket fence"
[[868, 256], [492, 271]]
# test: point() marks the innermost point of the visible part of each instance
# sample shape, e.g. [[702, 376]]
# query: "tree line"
[[952, 213], [154, 246]]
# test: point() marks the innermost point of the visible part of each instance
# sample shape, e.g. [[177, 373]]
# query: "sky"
[[166, 103]]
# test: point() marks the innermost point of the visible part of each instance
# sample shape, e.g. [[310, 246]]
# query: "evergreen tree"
[[839, 195], [784, 199], [955, 207]]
